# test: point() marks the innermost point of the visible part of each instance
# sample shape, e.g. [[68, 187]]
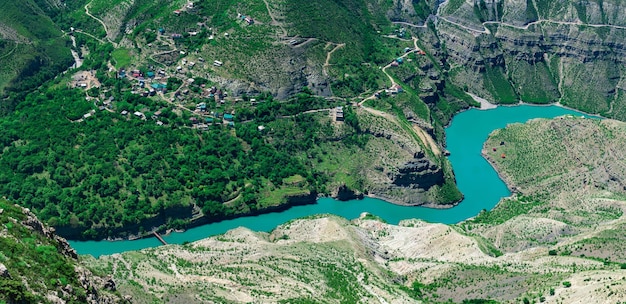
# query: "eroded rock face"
[[93, 285], [419, 172], [4, 272], [564, 53], [32, 222], [344, 193]]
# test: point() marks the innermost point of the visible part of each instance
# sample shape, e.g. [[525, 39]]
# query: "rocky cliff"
[[401, 167], [537, 51], [37, 266]]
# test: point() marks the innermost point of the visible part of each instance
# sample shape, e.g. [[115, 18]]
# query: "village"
[[178, 83]]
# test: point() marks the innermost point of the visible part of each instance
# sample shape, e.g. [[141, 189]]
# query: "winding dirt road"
[[328, 55], [106, 30]]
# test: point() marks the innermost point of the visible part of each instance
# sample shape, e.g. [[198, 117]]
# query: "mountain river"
[[478, 181]]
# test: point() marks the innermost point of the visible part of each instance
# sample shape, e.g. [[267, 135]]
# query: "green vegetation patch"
[[35, 50], [498, 84], [507, 209], [121, 57], [34, 263]]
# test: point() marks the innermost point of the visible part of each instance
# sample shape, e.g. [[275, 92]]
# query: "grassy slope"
[[568, 173], [35, 265], [33, 48]]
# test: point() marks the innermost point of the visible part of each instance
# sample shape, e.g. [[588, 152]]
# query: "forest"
[[108, 171]]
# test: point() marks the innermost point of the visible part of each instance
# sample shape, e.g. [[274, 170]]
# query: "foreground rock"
[[37, 266]]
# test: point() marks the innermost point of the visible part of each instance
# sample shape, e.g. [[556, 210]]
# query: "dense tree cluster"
[[108, 171]]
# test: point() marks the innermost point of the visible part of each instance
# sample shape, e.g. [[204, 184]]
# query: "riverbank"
[[481, 186], [505, 178], [397, 202], [484, 103], [300, 200]]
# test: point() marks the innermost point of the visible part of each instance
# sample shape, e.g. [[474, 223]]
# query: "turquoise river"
[[481, 186]]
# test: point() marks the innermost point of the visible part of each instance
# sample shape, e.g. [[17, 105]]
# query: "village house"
[[339, 114], [395, 89], [156, 114], [140, 115]]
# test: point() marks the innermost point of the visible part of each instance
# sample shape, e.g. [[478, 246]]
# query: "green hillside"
[[32, 49], [38, 267], [181, 111]]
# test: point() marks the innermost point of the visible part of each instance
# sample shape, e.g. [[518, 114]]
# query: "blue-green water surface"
[[480, 184]]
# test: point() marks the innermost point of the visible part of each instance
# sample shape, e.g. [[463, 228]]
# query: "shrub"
[[567, 284]]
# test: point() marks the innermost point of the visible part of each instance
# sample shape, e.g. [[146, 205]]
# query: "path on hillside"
[[485, 30], [106, 30], [427, 139], [384, 69], [274, 22], [424, 137], [307, 112], [90, 35], [10, 52], [409, 24], [525, 27], [328, 55]]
